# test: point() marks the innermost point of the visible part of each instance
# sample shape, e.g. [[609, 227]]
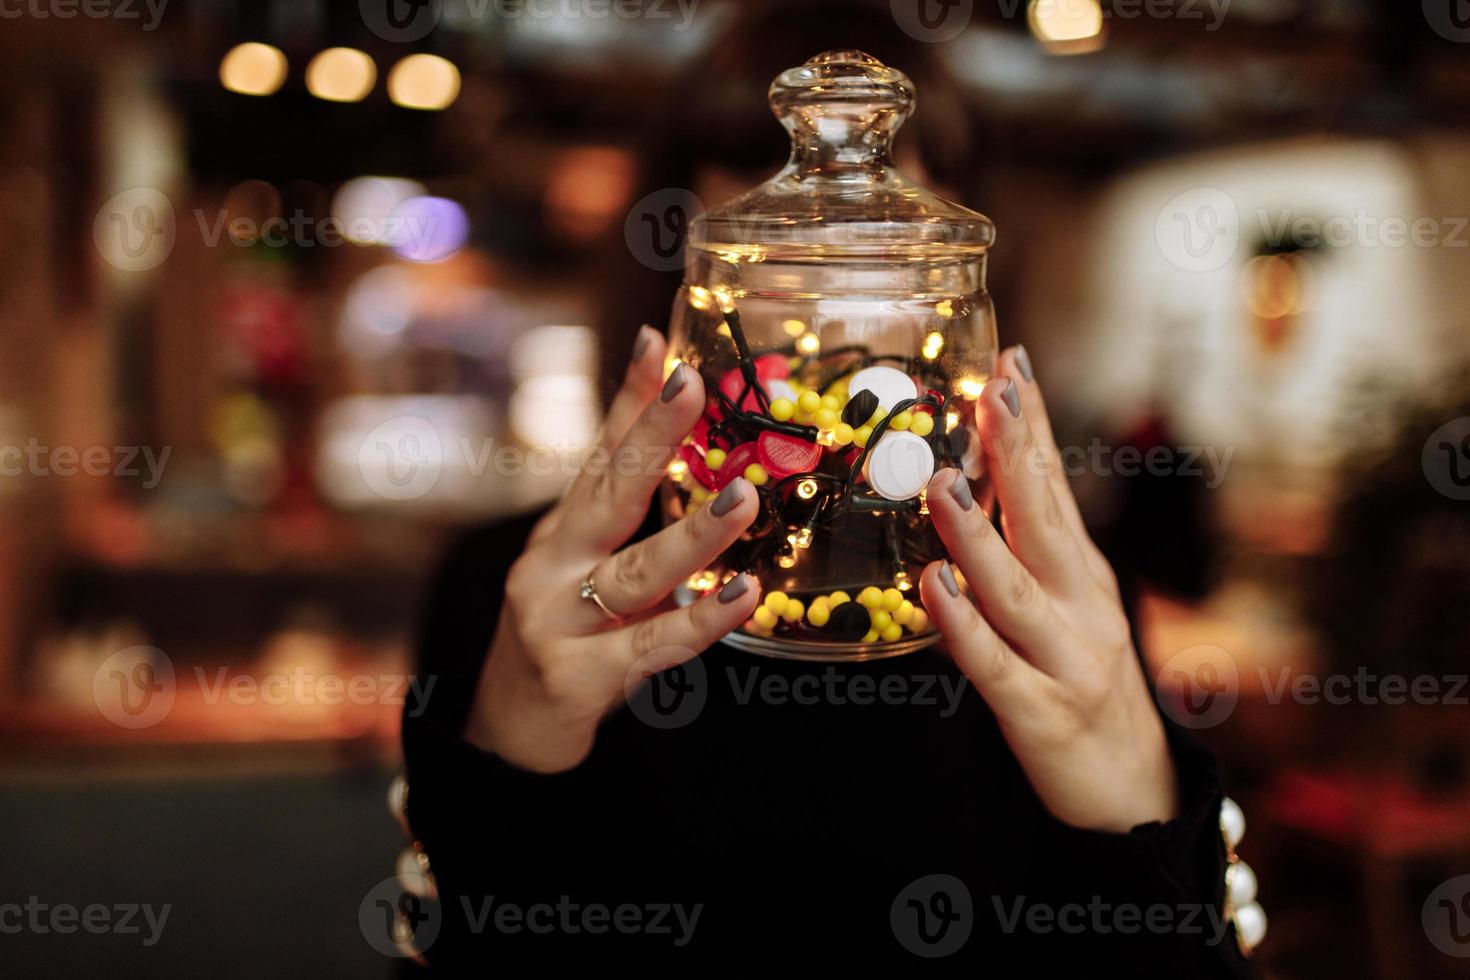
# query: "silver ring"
[[589, 591]]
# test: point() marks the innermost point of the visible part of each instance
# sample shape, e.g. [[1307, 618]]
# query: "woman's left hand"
[[1045, 639]]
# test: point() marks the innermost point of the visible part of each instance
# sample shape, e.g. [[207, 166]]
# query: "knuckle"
[[630, 570], [1023, 592], [648, 636]]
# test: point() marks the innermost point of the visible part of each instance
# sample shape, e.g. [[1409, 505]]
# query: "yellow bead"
[[870, 636], [794, 611], [818, 613], [838, 598], [892, 599], [922, 425], [891, 632], [842, 434], [901, 421], [861, 436], [809, 402], [700, 494], [920, 622], [871, 597], [776, 602], [881, 620], [756, 473], [831, 401], [782, 409], [714, 459], [878, 415], [764, 618], [827, 418], [904, 614], [805, 418]]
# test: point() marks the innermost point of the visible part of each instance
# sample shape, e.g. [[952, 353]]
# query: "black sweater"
[[783, 816]]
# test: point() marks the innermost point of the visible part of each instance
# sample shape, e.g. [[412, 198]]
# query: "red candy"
[[767, 368], [698, 468], [736, 460], [783, 455]]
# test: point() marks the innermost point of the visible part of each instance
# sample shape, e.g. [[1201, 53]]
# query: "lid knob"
[[841, 109]]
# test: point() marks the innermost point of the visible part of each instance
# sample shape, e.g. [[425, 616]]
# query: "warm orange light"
[[253, 69], [424, 81], [341, 75]]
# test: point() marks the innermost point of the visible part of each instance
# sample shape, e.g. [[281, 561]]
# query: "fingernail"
[[734, 589], [1023, 362], [946, 575], [1010, 396], [640, 345], [674, 385], [729, 498], [959, 489]]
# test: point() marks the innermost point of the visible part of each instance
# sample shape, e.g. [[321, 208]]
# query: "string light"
[[700, 298], [951, 419], [933, 344], [806, 489], [971, 387], [808, 344], [703, 581]]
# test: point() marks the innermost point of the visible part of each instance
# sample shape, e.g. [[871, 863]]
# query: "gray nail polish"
[[728, 499], [946, 575], [674, 385], [640, 345], [1023, 362], [734, 589], [960, 491], [1010, 396]]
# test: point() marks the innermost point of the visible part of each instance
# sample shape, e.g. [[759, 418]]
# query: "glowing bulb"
[[933, 344], [253, 69], [793, 328], [1066, 23], [944, 308], [971, 387], [806, 489], [826, 438], [341, 75], [808, 344], [700, 298], [786, 559], [703, 581], [424, 81], [803, 538], [924, 503], [678, 469], [902, 581], [723, 297], [951, 419]]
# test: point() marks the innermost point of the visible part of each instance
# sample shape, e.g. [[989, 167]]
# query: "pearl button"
[[1240, 885], [899, 466], [1250, 926], [890, 385], [1232, 823], [398, 800]]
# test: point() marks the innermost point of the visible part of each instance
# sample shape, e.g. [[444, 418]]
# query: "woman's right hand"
[[558, 665]]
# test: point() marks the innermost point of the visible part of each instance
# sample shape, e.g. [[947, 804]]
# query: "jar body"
[[843, 520]]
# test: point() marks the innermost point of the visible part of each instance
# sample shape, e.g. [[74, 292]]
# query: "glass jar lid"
[[840, 196]]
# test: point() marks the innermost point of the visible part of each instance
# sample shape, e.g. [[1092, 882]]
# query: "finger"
[[684, 633], [1015, 363], [1008, 683], [604, 509], [1030, 514], [1010, 598], [643, 574], [640, 385]]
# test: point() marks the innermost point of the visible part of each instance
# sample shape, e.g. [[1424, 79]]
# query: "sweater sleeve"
[[1158, 890]]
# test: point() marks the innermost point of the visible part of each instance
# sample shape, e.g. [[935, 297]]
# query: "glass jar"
[[838, 316]]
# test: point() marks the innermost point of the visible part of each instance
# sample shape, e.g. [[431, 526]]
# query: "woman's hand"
[[558, 664], [1045, 639]]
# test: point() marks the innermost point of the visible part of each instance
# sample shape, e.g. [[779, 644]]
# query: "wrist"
[[508, 721]]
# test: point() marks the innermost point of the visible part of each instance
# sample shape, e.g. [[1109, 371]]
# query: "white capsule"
[[890, 385], [899, 466]]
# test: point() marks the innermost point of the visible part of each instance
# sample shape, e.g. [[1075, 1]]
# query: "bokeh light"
[[427, 229], [341, 75], [424, 81], [253, 68], [362, 206]]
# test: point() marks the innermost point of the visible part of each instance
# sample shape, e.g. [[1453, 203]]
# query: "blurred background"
[[248, 244]]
